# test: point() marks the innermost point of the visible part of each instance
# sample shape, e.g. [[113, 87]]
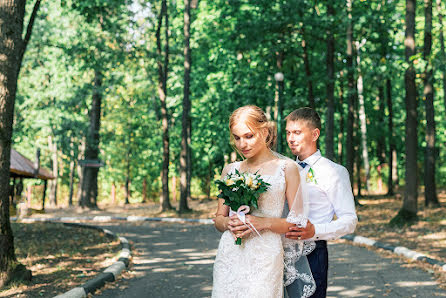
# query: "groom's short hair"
[[306, 114]]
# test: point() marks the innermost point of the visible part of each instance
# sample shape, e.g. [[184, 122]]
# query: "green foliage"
[[234, 58]]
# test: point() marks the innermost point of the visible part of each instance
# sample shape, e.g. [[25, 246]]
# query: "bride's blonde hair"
[[256, 120]]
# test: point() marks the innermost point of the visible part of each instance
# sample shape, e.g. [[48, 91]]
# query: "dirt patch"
[[60, 257]]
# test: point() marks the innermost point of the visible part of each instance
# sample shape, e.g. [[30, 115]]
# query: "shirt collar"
[[310, 160]]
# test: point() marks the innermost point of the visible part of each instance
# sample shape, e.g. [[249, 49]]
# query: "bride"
[[266, 261]]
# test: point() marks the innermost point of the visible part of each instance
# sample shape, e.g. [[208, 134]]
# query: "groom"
[[329, 192]]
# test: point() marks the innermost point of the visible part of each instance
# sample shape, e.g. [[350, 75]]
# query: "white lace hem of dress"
[[293, 251]]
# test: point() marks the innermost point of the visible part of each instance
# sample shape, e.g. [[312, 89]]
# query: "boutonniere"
[[310, 177]]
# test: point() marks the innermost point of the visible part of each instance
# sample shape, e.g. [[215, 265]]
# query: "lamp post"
[[279, 79]]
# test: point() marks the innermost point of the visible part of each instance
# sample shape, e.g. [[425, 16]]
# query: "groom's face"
[[301, 138]]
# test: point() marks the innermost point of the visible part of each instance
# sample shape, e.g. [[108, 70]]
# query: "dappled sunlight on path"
[[175, 260], [170, 260], [358, 272]]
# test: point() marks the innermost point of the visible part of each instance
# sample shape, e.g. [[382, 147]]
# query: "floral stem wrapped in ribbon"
[[241, 190]]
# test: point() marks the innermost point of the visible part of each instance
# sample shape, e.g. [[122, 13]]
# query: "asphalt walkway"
[[175, 260]]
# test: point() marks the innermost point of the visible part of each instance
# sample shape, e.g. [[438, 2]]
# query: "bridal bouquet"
[[241, 190]]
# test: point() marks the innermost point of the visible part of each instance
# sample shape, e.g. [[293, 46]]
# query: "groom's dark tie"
[[302, 164]]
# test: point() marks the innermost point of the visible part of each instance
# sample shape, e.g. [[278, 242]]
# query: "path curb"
[[110, 274], [399, 250]]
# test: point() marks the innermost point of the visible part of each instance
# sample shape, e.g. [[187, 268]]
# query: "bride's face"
[[248, 142]]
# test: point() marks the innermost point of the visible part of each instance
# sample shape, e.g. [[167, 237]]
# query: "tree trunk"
[[351, 93], [307, 67], [408, 212], [358, 175], [442, 51], [341, 121], [53, 184], [174, 188], [45, 186], [380, 143], [90, 175], [72, 173], [127, 180], [29, 196], [80, 170], [144, 190], [329, 125], [430, 189], [162, 92], [12, 49], [185, 158], [392, 151], [357, 145], [362, 118], [113, 194]]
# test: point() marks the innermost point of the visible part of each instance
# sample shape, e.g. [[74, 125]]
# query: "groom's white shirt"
[[330, 194]]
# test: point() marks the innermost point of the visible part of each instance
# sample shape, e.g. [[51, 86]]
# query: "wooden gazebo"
[[23, 168]]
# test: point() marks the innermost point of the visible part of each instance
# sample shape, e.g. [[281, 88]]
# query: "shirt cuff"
[[318, 230]]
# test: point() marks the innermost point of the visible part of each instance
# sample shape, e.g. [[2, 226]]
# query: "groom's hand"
[[297, 233]]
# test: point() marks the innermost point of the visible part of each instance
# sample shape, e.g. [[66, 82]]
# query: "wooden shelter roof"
[[23, 167]]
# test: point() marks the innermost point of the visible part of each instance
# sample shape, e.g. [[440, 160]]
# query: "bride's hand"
[[259, 223], [236, 227]]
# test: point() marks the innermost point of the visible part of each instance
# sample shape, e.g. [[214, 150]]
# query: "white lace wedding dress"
[[255, 268]]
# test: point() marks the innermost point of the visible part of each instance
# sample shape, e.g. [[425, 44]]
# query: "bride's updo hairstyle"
[[256, 120]]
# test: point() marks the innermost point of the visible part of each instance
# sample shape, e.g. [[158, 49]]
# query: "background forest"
[[159, 79]]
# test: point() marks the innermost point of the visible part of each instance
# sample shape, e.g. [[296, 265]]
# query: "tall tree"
[[362, 115], [90, 174], [185, 158], [408, 211], [329, 126], [351, 93], [163, 64], [430, 188], [12, 49], [392, 152]]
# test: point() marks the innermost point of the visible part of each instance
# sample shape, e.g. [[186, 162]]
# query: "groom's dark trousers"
[[318, 260]]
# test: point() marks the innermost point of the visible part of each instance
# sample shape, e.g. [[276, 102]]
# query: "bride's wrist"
[[266, 224]]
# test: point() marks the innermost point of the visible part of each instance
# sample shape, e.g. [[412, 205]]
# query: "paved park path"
[[175, 260]]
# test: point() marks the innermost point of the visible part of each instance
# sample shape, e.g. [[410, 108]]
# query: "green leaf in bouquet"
[[227, 192]]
